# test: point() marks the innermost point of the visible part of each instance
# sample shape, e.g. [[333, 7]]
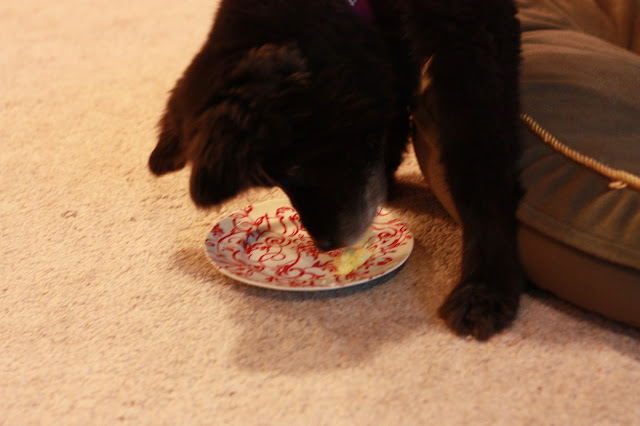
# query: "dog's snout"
[[327, 244]]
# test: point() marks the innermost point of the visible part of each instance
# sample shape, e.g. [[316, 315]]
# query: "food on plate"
[[354, 257]]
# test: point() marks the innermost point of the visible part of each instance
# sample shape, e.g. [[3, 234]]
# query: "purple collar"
[[362, 9]]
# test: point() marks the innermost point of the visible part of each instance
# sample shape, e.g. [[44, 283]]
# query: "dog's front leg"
[[473, 98]]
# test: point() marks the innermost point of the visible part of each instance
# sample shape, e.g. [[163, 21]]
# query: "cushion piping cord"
[[619, 178]]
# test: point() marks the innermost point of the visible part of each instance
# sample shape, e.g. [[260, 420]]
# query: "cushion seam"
[[573, 236]]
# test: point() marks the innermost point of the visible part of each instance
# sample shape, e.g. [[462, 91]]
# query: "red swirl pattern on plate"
[[266, 245]]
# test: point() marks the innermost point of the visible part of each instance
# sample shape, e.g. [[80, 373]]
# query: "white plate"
[[266, 245]]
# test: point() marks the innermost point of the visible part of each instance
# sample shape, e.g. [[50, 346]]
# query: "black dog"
[[315, 97]]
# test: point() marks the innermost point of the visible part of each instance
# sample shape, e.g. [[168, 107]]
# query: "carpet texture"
[[110, 312]]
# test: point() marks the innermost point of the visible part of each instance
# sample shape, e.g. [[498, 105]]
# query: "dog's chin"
[[336, 219], [332, 242], [349, 224], [356, 231]]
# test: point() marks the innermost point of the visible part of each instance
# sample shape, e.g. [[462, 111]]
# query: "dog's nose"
[[327, 244]]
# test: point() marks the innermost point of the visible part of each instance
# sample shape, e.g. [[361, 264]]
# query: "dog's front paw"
[[479, 310]]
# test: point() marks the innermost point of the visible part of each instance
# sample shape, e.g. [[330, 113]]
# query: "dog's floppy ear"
[[223, 162], [253, 116], [169, 153]]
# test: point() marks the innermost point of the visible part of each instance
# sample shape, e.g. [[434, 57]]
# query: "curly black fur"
[[307, 96]]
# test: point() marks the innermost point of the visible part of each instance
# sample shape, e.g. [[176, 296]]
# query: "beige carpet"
[[110, 312]]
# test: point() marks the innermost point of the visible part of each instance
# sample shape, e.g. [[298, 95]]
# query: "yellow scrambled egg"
[[353, 257]]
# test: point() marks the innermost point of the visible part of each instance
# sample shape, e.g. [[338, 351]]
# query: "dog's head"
[[270, 116]]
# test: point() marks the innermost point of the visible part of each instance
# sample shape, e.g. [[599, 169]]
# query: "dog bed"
[[579, 234]]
